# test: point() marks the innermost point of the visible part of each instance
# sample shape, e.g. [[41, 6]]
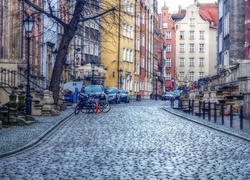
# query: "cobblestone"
[[138, 140]]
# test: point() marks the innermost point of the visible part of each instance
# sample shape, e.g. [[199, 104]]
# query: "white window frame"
[[201, 75], [191, 35], [168, 76], [165, 25], [168, 47], [201, 61], [168, 62], [191, 48], [142, 61], [191, 76], [182, 33], [181, 61], [182, 48], [191, 62], [202, 35], [168, 35], [201, 47], [181, 76]]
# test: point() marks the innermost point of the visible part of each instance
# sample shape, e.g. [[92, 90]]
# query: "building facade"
[[168, 52], [196, 43]]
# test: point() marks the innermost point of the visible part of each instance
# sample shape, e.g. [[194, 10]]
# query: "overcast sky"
[[173, 4]]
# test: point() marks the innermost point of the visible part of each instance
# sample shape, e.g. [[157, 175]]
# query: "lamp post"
[[92, 67], [120, 78], [28, 25], [156, 84]]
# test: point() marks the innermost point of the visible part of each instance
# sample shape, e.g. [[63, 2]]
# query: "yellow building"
[[117, 44]]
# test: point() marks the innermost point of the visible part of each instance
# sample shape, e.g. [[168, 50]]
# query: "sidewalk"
[[211, 124], [17, 138]]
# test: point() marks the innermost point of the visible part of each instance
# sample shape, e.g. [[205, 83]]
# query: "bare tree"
[[69, 31]]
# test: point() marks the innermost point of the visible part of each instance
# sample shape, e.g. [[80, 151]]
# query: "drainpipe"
[[119, 43]]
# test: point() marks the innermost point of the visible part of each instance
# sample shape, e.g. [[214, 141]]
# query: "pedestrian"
[[171, 102]]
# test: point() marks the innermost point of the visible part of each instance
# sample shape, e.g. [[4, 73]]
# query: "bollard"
[[241, 117], [203, 109], [215, 113], [209, 111], [96, 106], [189, 106], [192, 107], [222, 114], [199, 109], [231, 115]]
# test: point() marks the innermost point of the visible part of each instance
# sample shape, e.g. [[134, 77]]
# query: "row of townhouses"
[[134, 46]]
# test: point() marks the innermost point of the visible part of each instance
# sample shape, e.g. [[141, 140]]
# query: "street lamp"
[[28, 25], [92, 67], [120, 78], [156, 84]]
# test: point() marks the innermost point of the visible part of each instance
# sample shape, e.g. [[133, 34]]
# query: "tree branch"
[[50, 15], [93, 17]]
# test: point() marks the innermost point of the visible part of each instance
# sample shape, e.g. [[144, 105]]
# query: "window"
[[191, 48], [131, 32], [91, 48], [142, 40], [191, 35], [168, 62], [165, 25], [181, 76], [201, 47], [182, 48], [143, 18], [181, 34], [201, 61], [168, 35], [124, 29], [192, 21], [137, 20], [127, 55], [202, 35], [168, 76], [96, 50], [168, 47], [181, 61], [131, 56], [142, 61], [201, 75], [138, 44], [191, 61], [191, 76], [124, 54]]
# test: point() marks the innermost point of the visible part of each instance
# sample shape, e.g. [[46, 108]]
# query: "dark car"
[[98, 90], [124, 96], [167, 95], [113, 95]]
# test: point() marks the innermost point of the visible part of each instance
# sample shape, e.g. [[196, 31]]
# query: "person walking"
[[171, 102]]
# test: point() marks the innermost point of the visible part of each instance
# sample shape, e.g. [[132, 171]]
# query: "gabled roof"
[[208, 12], [180, 15]]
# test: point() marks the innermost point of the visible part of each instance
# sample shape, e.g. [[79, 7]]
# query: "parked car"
[[167, 95], [113, 95], [124, 96], [98, 90]]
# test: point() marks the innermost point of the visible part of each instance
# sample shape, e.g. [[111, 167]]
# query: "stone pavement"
[[17, 138], [138, 140]]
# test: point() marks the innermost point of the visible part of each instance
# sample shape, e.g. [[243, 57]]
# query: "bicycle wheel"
[[77, 108], [104, 107]]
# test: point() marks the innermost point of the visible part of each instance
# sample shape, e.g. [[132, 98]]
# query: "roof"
[[208, 12]]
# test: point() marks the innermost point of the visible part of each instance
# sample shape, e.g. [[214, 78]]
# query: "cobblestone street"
[[138, 140]]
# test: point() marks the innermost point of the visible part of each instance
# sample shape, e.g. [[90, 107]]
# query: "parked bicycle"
[[88, 104]]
